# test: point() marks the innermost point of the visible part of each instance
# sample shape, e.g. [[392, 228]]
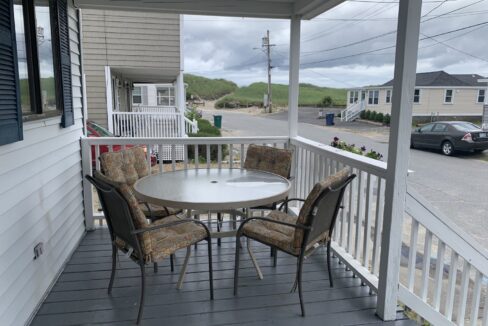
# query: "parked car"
[[95, 130], [450, 136]]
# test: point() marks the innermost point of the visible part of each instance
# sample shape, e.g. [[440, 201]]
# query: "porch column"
[[294, 70], [109, 96], [398, 154], [181, 101]]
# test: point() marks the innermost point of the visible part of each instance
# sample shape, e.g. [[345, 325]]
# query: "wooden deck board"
[[80, 294]]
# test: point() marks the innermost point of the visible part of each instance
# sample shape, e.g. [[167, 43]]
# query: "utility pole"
[[266, 45]]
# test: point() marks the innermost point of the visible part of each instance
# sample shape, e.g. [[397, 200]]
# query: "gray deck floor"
[[80, 295]]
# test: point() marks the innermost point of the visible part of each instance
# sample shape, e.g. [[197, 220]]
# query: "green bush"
[[362, 115], [386, 119], [206, 129], [372, 117], [326, 102], [367, 116], [379, 117]]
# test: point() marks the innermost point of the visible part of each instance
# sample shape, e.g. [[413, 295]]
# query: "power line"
[[455, 49]]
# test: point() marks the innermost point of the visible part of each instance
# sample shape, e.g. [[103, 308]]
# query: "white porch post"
[[109, 97], [398, 153], [294, 70], [181, 101]]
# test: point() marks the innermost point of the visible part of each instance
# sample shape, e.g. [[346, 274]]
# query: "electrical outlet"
[[38, 250]]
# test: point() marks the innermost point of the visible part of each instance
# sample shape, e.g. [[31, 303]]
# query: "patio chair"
[[298, 236], [144, 242], [128, 166], [273, 160]]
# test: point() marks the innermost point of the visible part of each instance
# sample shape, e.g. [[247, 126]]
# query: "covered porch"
[[390, 245]]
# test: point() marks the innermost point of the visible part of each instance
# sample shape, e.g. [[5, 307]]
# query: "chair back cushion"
[[323, 210], [269, 159], [125, 166]]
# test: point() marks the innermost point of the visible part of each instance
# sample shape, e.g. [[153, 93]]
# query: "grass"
[[310, 95], [207, 89]]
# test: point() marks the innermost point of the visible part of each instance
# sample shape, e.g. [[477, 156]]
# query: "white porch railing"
[[154, 109], [352, 112], [435, 287], [147, 124]]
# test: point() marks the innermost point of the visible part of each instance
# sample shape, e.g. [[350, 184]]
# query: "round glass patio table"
[[212, 189]]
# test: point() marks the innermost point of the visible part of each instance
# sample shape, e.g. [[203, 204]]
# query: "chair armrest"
[[289, 200], [296, 226], [160, 226]]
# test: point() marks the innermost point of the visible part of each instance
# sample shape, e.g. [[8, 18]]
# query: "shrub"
[[386, 119], [372, 117], [367, 116], [206, 129], [362, 115], [327, 102], [379, 117]]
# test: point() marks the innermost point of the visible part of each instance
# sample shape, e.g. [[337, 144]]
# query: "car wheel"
[[447, 148]]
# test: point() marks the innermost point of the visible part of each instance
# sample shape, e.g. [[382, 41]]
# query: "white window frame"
[[452, 96], [133, 94], [376, 96], [171, 99], [419, 96], [478, 96], [388, 96], [353, 97]]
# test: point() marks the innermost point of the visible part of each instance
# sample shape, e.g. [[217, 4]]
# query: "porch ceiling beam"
[[311, 8], [398, 155], [252, 8]]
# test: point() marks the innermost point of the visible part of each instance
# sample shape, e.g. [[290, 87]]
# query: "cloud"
[[225, 47]]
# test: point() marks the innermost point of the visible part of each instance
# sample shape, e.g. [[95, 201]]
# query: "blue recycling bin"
[[329, 119]]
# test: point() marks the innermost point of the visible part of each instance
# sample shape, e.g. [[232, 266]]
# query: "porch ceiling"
[[149, 76], [242, 8]]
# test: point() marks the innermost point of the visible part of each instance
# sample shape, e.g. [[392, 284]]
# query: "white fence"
[[147, 124], [154, 109], [443, 272]]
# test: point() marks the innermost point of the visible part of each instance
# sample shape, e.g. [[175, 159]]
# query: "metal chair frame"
[[105, 189], [307, 228]]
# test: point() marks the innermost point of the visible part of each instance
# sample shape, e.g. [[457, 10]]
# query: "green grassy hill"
[[207, 89], [310, 95]]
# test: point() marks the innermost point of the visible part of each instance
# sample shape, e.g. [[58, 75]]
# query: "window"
[[427, 127], [416, 96], [35, 57], [388, 96], [373, 97], [166, 96], [481, 96], [448, 96], [137, 95], [363, 95], [439, 127], [353, 96]]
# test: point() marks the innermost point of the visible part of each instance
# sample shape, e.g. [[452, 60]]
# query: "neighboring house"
[[124, 48], [436, 94], [153, 95]]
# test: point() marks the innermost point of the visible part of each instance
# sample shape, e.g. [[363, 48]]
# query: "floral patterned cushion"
[[157, 212], [269, 159], [332, 181], [125, 166]]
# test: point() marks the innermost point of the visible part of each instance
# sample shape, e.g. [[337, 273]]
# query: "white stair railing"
[[191, 126], [352, 112]]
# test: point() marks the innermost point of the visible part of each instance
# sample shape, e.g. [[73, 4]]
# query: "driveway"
[[457, 186]]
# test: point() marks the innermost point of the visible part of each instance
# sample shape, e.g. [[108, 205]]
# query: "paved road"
[[457, 186]]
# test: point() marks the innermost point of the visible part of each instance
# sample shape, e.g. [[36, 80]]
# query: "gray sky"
[[222, 47]]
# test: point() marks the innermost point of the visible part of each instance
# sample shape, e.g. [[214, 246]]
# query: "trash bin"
[[217, 121], [329, 119]]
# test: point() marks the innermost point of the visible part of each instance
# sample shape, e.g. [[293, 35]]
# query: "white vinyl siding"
[[41, 196]]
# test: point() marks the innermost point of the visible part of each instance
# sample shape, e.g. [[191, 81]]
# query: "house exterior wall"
[[41, 196], [126, 39], [432, 101]]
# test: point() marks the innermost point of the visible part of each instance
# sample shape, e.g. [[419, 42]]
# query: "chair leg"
[[172, 262], [299, 281], [236, 264], [155, 266], [210, 267], [114, 266], [219, 217], [143, 287], [275, 256], [331, 282]]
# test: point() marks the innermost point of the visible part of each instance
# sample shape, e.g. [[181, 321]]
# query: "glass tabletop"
[[212, 188]]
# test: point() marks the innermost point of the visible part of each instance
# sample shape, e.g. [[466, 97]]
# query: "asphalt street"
[[457, 186]]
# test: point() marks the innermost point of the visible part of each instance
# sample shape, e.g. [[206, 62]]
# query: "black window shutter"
[[10, 109], [64, 88]]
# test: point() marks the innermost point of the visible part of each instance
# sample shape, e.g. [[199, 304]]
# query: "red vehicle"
[[95, 130]]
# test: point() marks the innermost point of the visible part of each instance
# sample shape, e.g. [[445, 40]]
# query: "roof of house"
[[442, 78]]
